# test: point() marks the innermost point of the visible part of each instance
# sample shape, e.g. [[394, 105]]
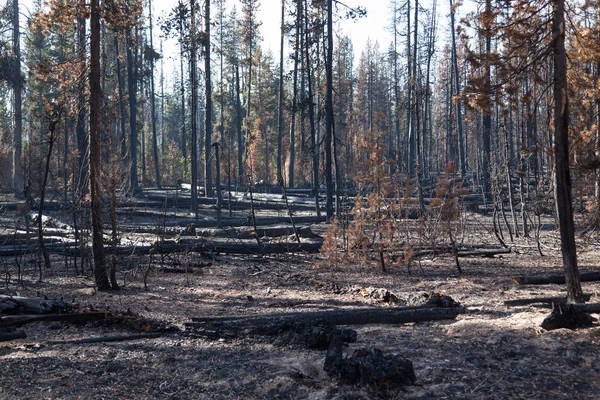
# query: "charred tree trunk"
[[194, 121], [153, 105], [562, 186], [133, 139], [311, 117], [17, 169], [329, 114], [208, 179], [100, 270], [82, 140], [280, 105], [122, 139]]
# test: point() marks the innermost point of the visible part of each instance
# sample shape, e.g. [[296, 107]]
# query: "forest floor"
[[490, 352]]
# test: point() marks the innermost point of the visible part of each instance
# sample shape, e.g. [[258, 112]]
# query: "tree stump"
[[567, 316], [368, 367]]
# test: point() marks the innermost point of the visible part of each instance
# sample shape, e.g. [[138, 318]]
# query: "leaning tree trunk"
[[52, 130]]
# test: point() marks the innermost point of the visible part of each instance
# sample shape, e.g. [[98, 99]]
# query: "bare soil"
[[491, 352]]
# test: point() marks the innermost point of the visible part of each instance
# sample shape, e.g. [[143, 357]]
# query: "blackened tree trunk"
[[17, 169], [153, 105], [297, 56], [100, 270], [459, 119], [409, 98], [487, 112], [54, 119], [329, 114], [280, 105], [218, 184], [311, 117], [82, 139], [238, 125], [562, 186], [208, 114], [194, 81], [597, 139], [182, 91], [122, 139], [133, 138]]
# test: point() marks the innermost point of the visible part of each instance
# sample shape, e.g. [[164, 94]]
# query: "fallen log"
[[28, 305], [554, 279], [588, 308], [262, 231], [111, 338], [238, 204], [267, 325], [183, 245], [260, 221], [550, 300], [462, 253], [12, 335], [183, 270], [323, 315], [249, 247], [78, 318], [48, 206]]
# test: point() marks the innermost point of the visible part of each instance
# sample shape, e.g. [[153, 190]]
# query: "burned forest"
[[306, 199]]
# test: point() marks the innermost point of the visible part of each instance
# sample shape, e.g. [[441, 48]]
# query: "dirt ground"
[[491, 352]]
